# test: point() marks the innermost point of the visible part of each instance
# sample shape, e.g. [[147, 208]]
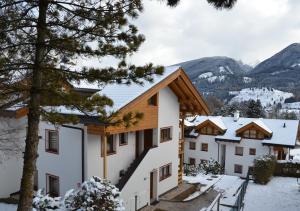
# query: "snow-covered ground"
[[225, 184], [281, 193], [8, 207], [267, 96]]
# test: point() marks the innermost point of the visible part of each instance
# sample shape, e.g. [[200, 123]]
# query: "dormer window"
[[153, 100]]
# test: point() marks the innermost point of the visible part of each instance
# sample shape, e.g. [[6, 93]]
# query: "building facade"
[[235, 142], [144, 160]]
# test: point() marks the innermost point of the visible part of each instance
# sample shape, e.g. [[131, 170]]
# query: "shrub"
[[44, 202], [94, 195], [191, 170], [263, 169], [211, 167]]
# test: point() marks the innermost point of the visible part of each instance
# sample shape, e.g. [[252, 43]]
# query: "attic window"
[[153, 100]]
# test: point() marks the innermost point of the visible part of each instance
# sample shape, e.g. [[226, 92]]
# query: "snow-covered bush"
[[94, 195], [211, 167], [191, 170], [263, 169], [44, 202]]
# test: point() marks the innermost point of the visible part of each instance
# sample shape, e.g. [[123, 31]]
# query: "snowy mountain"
[[220, 75], [267, 96], [216, 74], [281, 71]]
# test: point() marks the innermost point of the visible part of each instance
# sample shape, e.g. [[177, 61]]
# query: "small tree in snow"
[[94, 195], [211, 167]]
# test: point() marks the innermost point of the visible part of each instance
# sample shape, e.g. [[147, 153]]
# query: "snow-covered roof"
[[284, 132], [122, 94], [197, 120]]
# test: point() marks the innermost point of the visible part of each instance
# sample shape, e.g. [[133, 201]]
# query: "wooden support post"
[[105, 156]]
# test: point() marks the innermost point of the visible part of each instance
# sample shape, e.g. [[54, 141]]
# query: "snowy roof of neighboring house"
[[284, 132], [217, 120], [122, 94]]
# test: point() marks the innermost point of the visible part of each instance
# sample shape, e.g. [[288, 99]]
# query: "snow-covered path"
[[281, 193]]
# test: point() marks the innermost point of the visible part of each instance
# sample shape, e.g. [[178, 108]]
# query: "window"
[[238, 169], [123, 139], [192, 145], [165, 134], [192, 161], [52, 185], [252, 151], [204, 147], [35, 180], [165, 171], [209, 131], [153, 100], [203, 161], [252, 133], [111, 147], [239, 151], [52, 141]]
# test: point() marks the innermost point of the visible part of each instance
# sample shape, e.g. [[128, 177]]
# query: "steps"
[[133, 166]]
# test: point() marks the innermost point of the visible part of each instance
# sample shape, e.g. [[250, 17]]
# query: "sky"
[[252, 31]]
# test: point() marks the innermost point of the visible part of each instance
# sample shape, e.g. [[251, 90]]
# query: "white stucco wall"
[[231, 159], [139, 184], [11, 163], [66, 164], [246, 160], [197, 154]]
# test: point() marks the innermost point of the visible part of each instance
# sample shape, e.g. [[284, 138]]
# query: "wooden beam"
[[104, 156]]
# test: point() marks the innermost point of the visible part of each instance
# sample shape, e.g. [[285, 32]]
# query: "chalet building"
[[235, 142], [143, 161]]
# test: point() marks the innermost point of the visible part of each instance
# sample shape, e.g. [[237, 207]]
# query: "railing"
[[239, 203], [122, 182]]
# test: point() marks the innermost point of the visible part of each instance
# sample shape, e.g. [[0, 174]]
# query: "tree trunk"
[[32, 137]]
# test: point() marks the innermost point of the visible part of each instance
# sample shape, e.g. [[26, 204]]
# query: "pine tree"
[[254, 109], [41, 42]]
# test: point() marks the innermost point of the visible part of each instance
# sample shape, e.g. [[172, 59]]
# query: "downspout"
[[82, 148]]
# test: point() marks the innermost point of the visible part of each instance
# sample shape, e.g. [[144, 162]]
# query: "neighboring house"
[[143, 161], [235, 142]]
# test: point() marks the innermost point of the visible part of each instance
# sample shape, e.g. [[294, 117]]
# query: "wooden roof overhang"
[[208, 122], [190, 100], [254, 126]]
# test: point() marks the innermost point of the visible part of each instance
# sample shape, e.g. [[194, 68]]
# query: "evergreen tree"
[[41, 42], [254, 109]]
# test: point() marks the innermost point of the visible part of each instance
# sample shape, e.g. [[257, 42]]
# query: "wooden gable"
[[209, 123], [188, 97], [253, 126]]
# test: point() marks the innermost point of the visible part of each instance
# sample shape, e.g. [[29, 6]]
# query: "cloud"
[[252, 30]]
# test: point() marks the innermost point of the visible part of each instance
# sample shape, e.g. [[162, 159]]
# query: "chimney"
[[236, 115]]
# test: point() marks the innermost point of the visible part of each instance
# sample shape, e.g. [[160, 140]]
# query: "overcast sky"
[[252, 31]]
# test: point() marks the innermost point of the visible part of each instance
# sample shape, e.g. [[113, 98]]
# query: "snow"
[[225, 184], [212, 79], [281, 193], [296, 154], [205, 75], [8, 207], [122, 94], [267, 97], [247, 80], [274, 126]]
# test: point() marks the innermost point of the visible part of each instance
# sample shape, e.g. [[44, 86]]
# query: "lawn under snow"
[[281, 193], [8, 207]]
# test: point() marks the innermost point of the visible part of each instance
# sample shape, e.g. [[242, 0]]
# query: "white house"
[[143, 161], [235, 142]]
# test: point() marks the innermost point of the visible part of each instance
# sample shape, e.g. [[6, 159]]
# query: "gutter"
[[82, 148]]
